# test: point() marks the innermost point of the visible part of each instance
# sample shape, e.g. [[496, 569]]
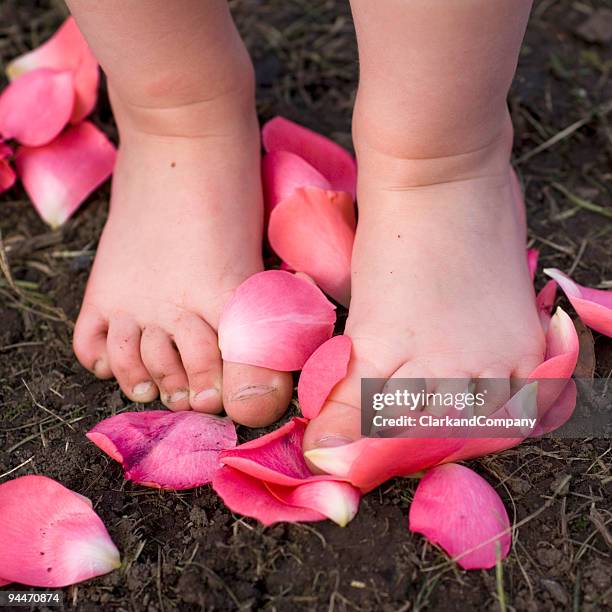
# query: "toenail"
[[332, 441], [142, 388], [206, 394], [250, 391], [177, 396]]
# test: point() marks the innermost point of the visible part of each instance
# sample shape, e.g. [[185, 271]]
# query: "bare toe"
[[89, 342]]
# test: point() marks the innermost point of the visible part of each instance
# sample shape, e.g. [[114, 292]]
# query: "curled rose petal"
[[275, 320], [166, 450], [460, 511], [36, 107], [283, 173], [594, 306], [59, 176], [313, 231], [325, 368], [66, 50], [545, 301], [532, 262], [330, 159], [54, 536]]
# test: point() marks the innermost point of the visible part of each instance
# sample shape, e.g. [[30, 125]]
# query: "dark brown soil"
[[185, 551]]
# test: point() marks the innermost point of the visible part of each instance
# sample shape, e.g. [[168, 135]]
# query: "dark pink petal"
[[594, 306], [330, 159], [4, 582], [53, 535], [325, 368], [532, 262], [545, 301], [283, 173], [167, 450], [248, 495], [59, 176], [36, 107], [460, 511], [313, 231], [275, 320], [65, 50], [7, 174]]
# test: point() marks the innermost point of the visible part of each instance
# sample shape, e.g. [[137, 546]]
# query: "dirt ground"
[[185, 551]]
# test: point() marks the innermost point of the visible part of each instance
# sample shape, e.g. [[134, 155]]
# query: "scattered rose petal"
[[273, 466], [35, 108], [460, 511], [559, 413], [325, 368], [545, 301], [59, 176], [54, 536], [283, 173], [65, 50], [275, 320], [532, 262], [313, 231], [594, 306], [4, 582], [166, 450], [329, 158], [7, 174]]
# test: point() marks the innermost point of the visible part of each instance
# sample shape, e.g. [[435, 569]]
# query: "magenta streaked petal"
[[532, 262]]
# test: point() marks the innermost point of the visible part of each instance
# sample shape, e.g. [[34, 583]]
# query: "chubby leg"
[[185, 219], [440, 286]]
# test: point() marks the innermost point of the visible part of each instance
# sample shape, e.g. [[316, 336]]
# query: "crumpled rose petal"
[[313, 231], [545, 300], [274, 466], [275, 320], [460, 511], [54, 536], [35, 108], [59, 176], [283, 173], [65, 50], [166, 450], [594, 306], [325, 368], [329, 158], [7, 174]]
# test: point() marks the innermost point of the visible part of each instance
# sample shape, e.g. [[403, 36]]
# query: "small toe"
[[162, 360], [255, 396], [89, 342], [198, 347], [123, 347]]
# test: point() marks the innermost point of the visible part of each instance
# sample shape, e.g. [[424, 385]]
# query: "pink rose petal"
[[325, 368], [283, 173], [330, 159], [7, 174], [65, 50], [313, 231], [275, 320], [59, 176], [4, 582], [35, 108], [559, 413], [545, 301], [53, 535], [532, 262], [460, 511], [594, 306], [162, 449]]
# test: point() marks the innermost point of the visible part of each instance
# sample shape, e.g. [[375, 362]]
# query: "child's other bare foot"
[[184, 230], [440, 286]]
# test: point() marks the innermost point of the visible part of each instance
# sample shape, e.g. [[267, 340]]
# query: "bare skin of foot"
[[185, 222]]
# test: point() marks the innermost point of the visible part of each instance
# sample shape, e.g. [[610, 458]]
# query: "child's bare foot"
[[440, 286], [184, 231]]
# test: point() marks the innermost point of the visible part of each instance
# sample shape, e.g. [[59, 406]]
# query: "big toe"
[[336, 425], [255, 396]]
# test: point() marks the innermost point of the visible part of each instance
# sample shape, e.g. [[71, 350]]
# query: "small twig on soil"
[[36, 435], [499, 580], [47, 410], [17, 467], [5, 268], [582, 203]]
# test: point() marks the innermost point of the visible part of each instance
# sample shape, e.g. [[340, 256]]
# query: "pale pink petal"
[[167, 450], [275, 320], [59, 176], [276, 457], [545, 301], [338, 501], [65, 50], [250, 496], [532, 262], [594, 306], [460, 511], [559, 413], [36, 107], [325, 368], [313, 231], [330, 159], [54, 537], [283, 173]]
